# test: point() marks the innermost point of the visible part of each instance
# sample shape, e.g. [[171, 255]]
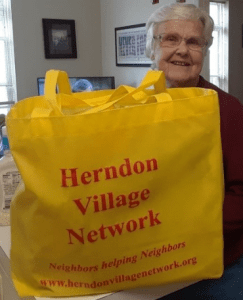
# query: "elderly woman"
[[178, 38]]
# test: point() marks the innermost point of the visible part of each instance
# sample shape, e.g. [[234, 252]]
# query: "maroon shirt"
[[231, 114]]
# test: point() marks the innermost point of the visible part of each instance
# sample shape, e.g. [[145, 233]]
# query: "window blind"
[[219, 50], [7, 68]]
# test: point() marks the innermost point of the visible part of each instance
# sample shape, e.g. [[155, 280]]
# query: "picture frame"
[[130, 45], [59, 38]]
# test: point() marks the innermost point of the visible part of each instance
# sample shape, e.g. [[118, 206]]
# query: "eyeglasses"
[[174, 40]]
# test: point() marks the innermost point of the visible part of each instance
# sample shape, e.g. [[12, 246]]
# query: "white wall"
[[118, 13], [29, 45]]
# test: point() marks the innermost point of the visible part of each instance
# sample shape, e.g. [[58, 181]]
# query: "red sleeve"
[[231, 118]]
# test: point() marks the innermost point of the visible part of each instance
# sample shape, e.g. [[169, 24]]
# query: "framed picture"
[[130, 44], [59, 38]]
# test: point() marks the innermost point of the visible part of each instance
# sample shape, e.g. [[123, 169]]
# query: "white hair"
[[174, 12]]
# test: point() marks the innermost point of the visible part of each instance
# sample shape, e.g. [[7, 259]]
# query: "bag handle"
[[52, 79], [155, 78], [122, 96], [136, 95]]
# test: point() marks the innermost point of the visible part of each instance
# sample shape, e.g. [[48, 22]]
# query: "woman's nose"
[[182, 48]]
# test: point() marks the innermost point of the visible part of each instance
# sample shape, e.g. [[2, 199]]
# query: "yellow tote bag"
[[121, 188]]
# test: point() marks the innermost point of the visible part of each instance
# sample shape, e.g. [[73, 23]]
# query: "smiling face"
[[180, 64]]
